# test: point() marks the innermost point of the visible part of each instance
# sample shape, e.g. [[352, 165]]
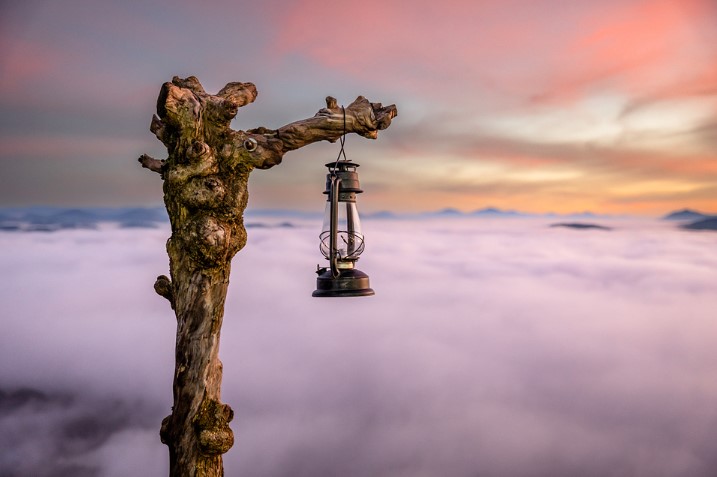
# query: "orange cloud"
[[643, 46]]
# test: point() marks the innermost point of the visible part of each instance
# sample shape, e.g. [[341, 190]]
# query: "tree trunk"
[[205, 191]]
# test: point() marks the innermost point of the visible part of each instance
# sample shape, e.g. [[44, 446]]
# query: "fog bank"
[[492, 347]]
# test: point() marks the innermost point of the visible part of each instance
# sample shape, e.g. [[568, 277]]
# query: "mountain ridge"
[[685, 214], [53, 218]]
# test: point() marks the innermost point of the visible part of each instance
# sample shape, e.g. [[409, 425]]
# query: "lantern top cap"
[[341, 165]]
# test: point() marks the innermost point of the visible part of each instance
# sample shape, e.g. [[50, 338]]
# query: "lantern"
[[341, 239]]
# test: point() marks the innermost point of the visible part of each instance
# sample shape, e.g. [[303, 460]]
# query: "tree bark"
[[205, 192]]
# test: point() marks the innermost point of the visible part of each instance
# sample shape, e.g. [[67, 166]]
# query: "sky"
[[534, 105], [493, 347]]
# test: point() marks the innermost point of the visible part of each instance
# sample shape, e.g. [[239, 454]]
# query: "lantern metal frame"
[[341, 278]]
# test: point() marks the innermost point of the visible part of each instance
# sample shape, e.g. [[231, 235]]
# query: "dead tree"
[[205, 191]]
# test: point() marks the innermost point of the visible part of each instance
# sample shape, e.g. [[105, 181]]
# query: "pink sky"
[[541, 105]]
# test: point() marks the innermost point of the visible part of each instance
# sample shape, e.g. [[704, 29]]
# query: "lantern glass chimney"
[[349, 243]]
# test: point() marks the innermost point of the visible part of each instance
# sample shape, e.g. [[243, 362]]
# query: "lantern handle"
[[333, 224], [342, 141]]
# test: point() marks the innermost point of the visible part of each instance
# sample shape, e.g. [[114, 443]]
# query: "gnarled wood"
[[205, 191], [151, 163]]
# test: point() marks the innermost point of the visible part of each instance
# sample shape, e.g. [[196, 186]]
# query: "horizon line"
[[386, 213]]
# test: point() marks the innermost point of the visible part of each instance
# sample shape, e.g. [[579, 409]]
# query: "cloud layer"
[[492, 347]]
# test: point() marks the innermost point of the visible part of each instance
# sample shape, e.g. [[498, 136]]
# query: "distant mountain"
[[51, 219], [262, 225], [693, 220], [487, 212], [46, 219], [72, 218], [583, 215], [686, 215], [581, 226], [494, 212], [139, 217], [283, 213], [710, 223], [448, 212], [383, 214]]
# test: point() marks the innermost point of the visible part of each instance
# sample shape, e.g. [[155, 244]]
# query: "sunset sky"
[[535, 105]]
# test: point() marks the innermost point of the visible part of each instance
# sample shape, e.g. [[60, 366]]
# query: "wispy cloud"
[[597, 91]]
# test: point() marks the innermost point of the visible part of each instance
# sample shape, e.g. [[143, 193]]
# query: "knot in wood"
[[163, 287], [207, 240], [250, 144], [203, 192], [211, 424], [198, 150], [164, 430]]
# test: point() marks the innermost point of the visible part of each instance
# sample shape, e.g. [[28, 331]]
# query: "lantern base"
[[350, 282]]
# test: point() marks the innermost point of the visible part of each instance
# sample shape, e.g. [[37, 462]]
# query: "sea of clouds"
[[493, 347]]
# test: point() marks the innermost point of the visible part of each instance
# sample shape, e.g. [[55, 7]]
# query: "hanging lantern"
[[341, 238]]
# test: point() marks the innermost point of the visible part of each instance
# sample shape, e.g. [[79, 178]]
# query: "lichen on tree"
[[205, 179]]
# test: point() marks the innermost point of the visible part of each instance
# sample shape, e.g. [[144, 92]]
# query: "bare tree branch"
[[148, 162]]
